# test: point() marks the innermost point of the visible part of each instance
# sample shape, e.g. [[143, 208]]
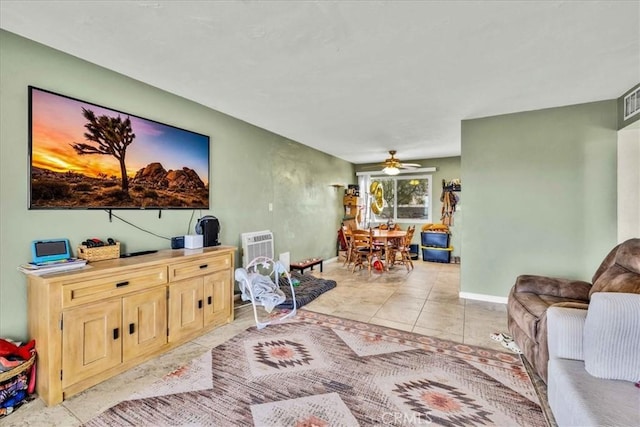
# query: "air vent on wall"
[[255, 244]]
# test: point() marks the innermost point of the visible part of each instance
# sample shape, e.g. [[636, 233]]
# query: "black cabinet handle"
[[209, 300], [204, 266], [132, 328], [116, 333], [199, 303], [121, 284]]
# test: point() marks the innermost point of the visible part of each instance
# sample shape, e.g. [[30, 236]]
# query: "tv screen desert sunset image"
[[87, 156]]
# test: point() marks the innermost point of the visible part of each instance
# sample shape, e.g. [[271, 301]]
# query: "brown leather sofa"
[[532, 295]]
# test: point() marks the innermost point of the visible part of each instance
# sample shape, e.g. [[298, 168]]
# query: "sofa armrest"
[[543, 285], [565, 327]]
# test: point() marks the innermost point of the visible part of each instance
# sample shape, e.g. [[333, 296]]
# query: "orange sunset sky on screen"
[[54, 152]]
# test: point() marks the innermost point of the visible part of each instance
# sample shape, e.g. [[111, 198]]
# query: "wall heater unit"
[[255, 244]]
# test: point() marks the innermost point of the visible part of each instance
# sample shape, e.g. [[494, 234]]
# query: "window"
[[405, 198], [631, 104]]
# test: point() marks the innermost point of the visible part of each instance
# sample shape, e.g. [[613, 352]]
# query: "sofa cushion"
[[553, 286], [611, 343], [624, 274], [579, 399], [565, 327], [570, 304], [617, 279], [608, 261]]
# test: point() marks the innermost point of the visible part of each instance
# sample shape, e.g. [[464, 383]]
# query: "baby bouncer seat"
[[259, 283]]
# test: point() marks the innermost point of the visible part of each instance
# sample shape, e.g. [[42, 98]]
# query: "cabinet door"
[[185, 308], [144, 320], [217, 296], [91, 340]]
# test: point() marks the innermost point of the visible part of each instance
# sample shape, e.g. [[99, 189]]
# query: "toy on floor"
[[507, 341]]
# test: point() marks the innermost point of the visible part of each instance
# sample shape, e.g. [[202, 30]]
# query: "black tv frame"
[[123, 115]]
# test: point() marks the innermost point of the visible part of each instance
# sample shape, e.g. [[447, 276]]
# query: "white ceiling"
[[354, 78]]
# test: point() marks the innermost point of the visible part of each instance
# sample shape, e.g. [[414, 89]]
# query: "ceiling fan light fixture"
[[391, 170]]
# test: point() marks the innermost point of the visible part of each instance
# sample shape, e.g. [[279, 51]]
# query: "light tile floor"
[[423, 301]]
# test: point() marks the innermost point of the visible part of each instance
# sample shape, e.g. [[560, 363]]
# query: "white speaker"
[[193, 241]]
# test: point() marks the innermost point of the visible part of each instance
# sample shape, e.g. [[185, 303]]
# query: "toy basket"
[[15, 386], [99, 253]]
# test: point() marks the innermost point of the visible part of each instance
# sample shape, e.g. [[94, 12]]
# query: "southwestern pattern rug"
[[319, 370]]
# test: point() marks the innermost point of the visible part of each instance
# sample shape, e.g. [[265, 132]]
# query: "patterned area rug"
[[319, 370]]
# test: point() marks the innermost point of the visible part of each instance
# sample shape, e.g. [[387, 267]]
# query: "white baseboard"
[[482, 297], [330, 260]]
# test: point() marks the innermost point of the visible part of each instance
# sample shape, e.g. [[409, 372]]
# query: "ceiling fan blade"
[[391, 163], [410, 165]]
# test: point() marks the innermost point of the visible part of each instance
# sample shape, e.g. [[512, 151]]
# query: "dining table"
[[387, 238]]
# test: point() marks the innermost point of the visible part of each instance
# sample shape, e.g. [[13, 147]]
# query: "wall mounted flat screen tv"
[[85, 156]]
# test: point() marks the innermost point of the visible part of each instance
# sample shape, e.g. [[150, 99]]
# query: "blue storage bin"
[[435, 240], [436, 254]]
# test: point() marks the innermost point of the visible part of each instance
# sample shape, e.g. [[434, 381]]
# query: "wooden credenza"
[[93, 323]]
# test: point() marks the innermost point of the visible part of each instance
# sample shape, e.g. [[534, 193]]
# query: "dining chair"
[[347, 234], [404, 249], [363, 249], [353, 250]]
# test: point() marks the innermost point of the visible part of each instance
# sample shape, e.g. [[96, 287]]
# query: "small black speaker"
[[177, 242], [209, 227]]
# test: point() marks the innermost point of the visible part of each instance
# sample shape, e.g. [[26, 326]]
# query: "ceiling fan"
[[392, 165]]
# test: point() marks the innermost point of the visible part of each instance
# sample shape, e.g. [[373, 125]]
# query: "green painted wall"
[[447, 168], [539, 195], [251, 167]]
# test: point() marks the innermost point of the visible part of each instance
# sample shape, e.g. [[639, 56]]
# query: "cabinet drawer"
[[199, 267], [113, 285]]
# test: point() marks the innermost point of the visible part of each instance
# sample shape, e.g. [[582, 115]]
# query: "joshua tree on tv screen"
[[112, 135]]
